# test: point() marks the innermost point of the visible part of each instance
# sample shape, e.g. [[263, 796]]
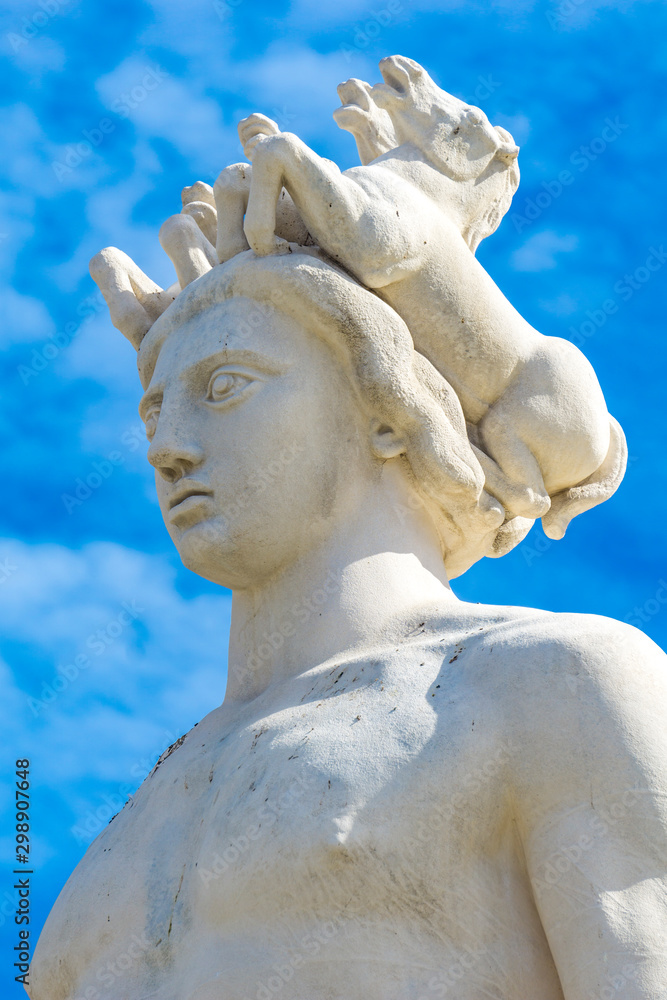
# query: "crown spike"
[[188, 249], [206, 218], [134, 300], [199, 191]]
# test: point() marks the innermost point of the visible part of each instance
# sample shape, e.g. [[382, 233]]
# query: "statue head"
[[276, 387], [457, 139], [274, 384]]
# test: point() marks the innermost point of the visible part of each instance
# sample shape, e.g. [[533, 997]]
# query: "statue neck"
[[370, 583], [459, 200]]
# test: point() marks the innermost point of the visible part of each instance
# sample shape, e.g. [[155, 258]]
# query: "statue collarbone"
[[340, 797]]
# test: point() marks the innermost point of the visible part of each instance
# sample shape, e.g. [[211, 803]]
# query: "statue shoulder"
[[584, 699], [578, 654], [560, 685]]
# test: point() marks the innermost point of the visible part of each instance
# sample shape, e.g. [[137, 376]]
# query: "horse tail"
[[597, 488]]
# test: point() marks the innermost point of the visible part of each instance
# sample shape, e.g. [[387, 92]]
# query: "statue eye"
[[225, 384], [150, 422]]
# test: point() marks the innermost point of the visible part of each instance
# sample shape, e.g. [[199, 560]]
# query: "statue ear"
[[508, 149], [385, 441]]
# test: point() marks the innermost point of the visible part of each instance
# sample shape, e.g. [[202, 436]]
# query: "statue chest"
[[360, 804]]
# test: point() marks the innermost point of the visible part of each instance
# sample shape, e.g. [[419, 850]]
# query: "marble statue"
[[403, 796]]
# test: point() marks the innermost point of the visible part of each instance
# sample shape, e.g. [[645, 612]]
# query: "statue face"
[[259, 444]]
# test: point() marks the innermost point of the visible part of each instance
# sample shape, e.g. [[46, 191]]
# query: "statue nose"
[[172, 461]]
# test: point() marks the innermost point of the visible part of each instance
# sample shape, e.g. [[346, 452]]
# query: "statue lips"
[[186, 503]]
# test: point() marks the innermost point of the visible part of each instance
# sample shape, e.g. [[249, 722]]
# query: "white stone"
[[402, 796], [405, 225]]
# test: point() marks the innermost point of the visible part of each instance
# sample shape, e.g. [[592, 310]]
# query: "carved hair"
[[393, 382]]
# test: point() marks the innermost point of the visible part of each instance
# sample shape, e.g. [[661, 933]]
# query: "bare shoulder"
[[544, 652], [583, 699], [561, 656], [552, 682]]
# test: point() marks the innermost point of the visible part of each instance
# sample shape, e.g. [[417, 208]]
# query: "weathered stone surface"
[[402, 795]]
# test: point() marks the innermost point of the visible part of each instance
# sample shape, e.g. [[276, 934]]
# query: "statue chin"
[[402, 794], [201, 553]]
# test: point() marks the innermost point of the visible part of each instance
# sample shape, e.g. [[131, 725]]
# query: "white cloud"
[[99, 351], [574, 14], [162, 106], [21, 132], [207, 47], [16, 227], [110, 212], [539, 251], [109, 209], [275, 86], [42, 55], [147, 674], [358, 13], [40, 167], [24, 319]]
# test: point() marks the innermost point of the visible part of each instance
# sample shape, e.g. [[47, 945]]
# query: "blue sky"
[[109, 110]]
